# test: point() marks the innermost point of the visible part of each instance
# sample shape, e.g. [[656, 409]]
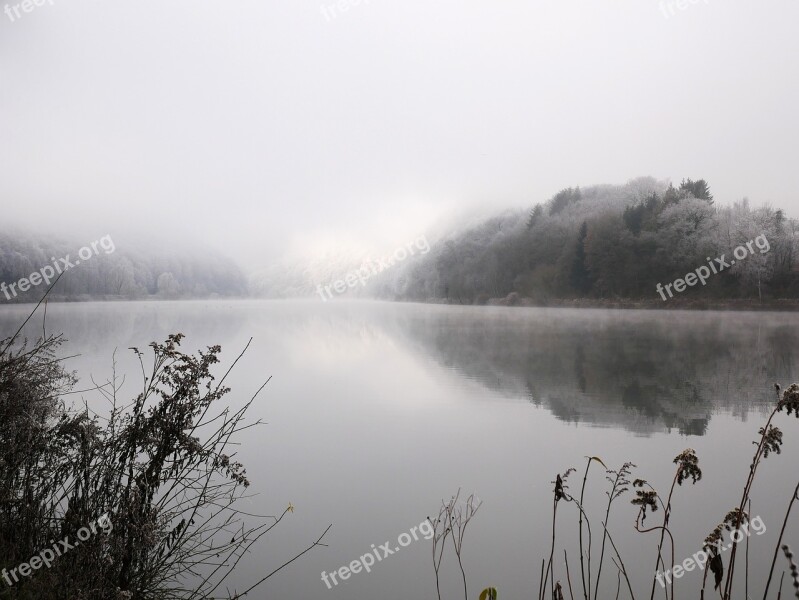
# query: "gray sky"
[[265, 126]]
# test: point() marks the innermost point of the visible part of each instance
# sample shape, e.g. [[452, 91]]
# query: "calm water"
[[378, 411]]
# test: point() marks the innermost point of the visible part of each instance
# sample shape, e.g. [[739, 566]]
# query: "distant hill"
[[610, 242], [107, 270]]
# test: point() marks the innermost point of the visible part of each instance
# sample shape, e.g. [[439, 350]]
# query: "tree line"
[[126, 273]]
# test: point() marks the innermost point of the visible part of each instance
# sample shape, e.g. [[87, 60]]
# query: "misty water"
[[377, 411]]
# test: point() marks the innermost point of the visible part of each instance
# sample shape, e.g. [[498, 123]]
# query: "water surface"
[[376, 411]]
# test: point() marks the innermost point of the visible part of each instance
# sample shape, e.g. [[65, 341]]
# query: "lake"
[[377, 411]]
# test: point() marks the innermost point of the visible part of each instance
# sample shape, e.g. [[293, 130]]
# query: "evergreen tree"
[[698, 189], [580, 276]]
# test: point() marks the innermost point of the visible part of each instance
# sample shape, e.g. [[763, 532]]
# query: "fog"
[[418, 222], [265, 128]]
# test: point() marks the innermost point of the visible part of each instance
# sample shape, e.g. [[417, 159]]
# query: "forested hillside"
[[113, 271], [608, 242]]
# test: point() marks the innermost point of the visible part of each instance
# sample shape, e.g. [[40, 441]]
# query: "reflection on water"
[[644, 371], [641, 370]]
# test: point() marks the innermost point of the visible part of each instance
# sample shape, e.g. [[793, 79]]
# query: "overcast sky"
[[259, 126]]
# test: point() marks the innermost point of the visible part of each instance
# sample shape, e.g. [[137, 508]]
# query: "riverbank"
[[733, 304]]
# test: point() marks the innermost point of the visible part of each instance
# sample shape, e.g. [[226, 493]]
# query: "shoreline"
[[510, 301], [749, 305]]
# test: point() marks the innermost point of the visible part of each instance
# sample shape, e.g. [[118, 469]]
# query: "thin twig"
[[568, 576]]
